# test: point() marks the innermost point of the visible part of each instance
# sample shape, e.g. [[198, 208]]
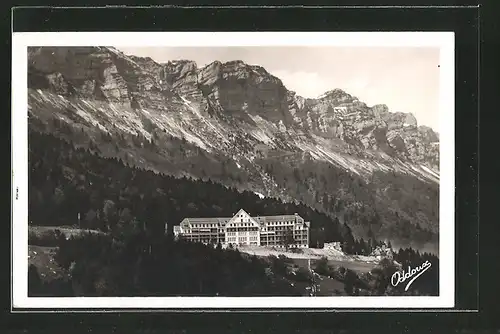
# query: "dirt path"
[[353, 265], [334, 257], [66, 230]]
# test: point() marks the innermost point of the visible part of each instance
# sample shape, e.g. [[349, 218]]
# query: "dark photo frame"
[[463, 21]]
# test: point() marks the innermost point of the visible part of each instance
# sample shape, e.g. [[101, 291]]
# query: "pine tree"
[[348, 244], [362, 247]]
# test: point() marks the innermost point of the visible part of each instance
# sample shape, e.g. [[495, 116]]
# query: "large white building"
[[242, 229]]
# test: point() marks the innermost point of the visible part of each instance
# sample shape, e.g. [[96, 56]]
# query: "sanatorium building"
[[242, 229]]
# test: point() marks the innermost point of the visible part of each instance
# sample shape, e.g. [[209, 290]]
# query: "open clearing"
[[335, 258], [66, 230], [43, 259]]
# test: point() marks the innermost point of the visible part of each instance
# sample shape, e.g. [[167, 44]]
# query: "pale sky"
[[404, 78]]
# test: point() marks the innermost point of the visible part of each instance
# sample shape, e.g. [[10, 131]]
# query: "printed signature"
[[402, 276]]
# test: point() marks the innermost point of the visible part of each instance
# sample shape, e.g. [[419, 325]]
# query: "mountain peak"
[[234, 62], [334, 94], [179, 62]]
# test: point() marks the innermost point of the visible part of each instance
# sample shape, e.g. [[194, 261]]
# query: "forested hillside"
[[136, 262], [143, 264], [238, 125], [68, 182]]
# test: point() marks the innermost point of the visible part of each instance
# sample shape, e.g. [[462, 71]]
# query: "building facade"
[[242, 229]]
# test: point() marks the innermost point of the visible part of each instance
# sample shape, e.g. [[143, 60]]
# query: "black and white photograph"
[[205, 170]]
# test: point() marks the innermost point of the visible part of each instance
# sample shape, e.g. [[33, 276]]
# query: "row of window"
[[296, 234], [249, 230], [233, 239], [242, 229], [278, 228], [280, 242], [241, 224], [252, 241], [202, 230], [243, 232], [203, 235], [264, 235], [204, 225], [290, 222]]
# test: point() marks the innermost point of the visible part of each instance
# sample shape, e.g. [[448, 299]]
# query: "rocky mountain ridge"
[[230, 111], [244, 92]]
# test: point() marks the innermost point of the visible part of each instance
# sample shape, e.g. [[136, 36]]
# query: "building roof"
[[207, 220], [276, 218], [223, 220]]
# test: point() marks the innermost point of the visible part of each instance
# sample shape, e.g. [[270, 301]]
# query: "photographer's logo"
[[402, 276]]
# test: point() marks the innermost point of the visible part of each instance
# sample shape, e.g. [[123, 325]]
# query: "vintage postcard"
[[227, 170]]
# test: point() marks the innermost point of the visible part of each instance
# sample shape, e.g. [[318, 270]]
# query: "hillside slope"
[[238, 125]]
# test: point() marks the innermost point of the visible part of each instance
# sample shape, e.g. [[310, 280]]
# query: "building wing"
[[243, 229]]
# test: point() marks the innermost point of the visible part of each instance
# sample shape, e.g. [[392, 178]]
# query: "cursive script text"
[[402, 276]]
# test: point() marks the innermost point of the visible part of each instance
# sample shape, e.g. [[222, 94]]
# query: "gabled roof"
[[241, 212], [257, 219], [243, 215]]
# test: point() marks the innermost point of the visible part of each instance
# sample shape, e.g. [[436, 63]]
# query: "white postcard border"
[[444, 40]]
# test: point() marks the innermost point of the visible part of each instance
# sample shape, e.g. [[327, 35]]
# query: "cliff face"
[[229, 111], [237, 89], [233, 90], [84, 71]]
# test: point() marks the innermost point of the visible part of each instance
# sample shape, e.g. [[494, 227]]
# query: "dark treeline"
[[75, 187], [142, 264], [134, 262]]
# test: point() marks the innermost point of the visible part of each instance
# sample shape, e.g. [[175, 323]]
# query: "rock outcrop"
[[383, 251], [235, 88]]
